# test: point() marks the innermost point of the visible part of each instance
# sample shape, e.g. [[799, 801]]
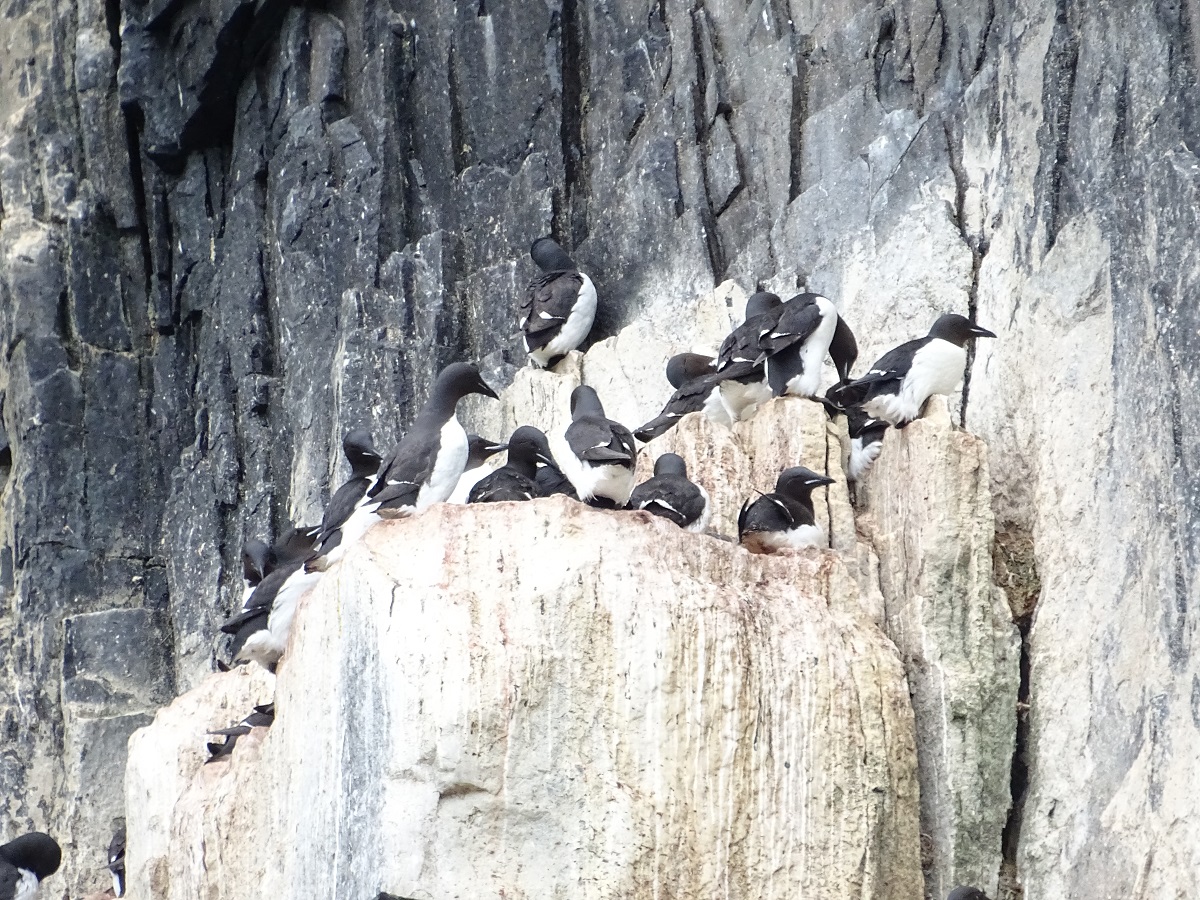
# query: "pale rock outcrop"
[[541, 699], [929, 520]]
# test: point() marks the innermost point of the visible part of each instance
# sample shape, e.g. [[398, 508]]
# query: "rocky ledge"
[[540, 699]]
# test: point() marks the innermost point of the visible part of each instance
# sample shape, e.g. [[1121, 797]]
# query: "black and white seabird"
[[25, 862], [866, 441], [966, 893], [347, 515], [784, 519], [897, 386], [283, 583], [794, 350], [426, 465], [116, 859], [697, 389], [597, 454], [516, 479], [479, 451], [559, 305], [669, 494], [550, 479], [743, 383], [262, 717]]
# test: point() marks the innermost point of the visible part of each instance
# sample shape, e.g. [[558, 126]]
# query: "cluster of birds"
[[779, 350]]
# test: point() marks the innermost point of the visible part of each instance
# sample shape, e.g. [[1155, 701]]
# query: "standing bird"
[[897, 386], [479, 451], [743, 384], [669, 494], [116, 859], [251, 640], [783, 519], [25, 862], [517, 478], [698, 389], [596, 453], [794, 350], [427, 463], [346, 517], [550, 479], [559, 305]]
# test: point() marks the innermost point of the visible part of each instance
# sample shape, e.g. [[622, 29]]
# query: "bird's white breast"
[[796, 539], [741, 400], [283, 610], [26, 886], [610, 481], [468, 480], [812, 353], [448, 467], [701, 523], [937, 368], [861, 458]]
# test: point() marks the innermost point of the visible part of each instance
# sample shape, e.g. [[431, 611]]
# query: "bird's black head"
[[957, 329], [550, 257], [966, 893], [35, 852], [859, 424], [360, 451], [763, 301], [458, 380], [479, 449], [799, 482], [530, 443], [585, 402], [254, 560], [843, 349], [670, 464], [685, 367]]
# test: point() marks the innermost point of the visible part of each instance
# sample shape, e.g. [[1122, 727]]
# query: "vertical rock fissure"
[[1062, 60], [1015, 571], [976, 243], [796, 129], [573, 63]]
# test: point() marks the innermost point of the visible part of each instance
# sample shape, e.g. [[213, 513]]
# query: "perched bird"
[[284, 575], [866, 441], [25, 862], [262, 717], [596, 453], [347, 518], [897, 386], [783, 519], [743, 383], [550, 479], [479, 451], [516, 479], [427, 463], [559, 305], [966, 893], [698, 389], [794, 350], [669, 494], [116, 859]]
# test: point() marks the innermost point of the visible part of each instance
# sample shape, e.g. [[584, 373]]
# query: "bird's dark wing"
[[675, 499], [502, 486], [598, 440], [742, 344], [237, 730], [341, 505], [893, 364], [794, 327], [770, 512], [547, 305], [689, 398], [550, 481], [409, 467], [10, 877]]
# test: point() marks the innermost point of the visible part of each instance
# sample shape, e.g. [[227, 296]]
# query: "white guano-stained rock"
[[542, 700]]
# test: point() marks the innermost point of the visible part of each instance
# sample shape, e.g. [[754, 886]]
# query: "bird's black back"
[[673, 497], [601, 441], [548, 303]]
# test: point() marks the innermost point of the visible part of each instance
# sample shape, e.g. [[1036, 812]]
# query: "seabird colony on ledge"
[[778, 351]]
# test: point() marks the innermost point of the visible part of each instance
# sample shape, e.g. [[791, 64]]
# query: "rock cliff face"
[[228, 230]]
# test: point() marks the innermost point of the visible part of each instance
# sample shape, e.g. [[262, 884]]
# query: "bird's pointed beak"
[[496, 448], [820, 480], [486, 391], [978, 331]]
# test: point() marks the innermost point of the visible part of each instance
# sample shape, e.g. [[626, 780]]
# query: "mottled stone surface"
[[651, 711], [230, 229]]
